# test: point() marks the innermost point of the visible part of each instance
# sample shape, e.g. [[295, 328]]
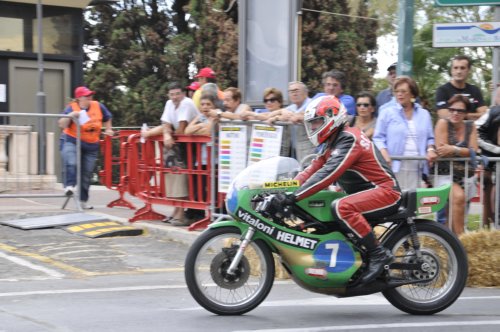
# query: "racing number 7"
[[335, 250]]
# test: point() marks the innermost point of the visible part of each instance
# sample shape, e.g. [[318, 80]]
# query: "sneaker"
[[69, 190], [86, 206]]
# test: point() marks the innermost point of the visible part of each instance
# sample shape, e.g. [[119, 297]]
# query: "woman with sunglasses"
[[456, 138], [365, 110], [273, 102]]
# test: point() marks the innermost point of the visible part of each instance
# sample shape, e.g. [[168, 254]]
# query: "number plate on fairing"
[[334, 255]]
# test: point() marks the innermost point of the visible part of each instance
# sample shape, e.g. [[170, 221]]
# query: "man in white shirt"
[[178, 112]]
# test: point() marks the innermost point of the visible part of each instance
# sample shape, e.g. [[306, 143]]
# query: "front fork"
[[241, 250]]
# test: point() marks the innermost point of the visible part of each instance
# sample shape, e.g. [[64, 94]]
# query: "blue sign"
[[466, 34]]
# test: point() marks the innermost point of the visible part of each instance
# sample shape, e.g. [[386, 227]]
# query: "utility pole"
[[496, 60], [405, 37], [40, 96]]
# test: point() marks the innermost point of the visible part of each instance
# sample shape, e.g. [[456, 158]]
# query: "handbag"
[[174, 157]]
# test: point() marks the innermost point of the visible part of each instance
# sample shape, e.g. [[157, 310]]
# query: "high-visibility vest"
[[91, 130]]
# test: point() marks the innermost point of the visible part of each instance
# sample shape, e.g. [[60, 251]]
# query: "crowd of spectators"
[[394, 119]]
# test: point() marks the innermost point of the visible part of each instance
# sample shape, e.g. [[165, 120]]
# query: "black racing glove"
[[280, 205]]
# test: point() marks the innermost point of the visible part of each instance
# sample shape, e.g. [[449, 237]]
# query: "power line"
[[338, 14]]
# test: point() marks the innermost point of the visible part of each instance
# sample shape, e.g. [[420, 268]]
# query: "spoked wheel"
[[213, 287], [443, 270]]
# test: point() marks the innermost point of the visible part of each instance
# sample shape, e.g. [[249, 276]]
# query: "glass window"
[[268, 47], [61, 28], [58, 35], [11, 34]]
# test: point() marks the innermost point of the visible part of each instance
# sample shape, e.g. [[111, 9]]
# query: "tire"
[[447, 274], [205, 266]]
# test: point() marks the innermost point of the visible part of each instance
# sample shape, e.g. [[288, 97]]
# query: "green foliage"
[[138, 54], [431, 65], [379, 84], [338, 42], [216, 39], [142, 45]]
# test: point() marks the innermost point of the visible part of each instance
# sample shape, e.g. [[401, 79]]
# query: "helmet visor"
[[314, 125]]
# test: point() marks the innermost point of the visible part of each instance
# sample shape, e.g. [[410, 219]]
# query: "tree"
[[431, 65], [216, 38], [338, 42], [138, 54], [328, 41]]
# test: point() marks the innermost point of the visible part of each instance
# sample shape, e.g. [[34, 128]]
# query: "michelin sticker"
[[281, 184]]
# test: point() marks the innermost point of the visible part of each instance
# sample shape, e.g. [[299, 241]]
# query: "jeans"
[[88, 159]]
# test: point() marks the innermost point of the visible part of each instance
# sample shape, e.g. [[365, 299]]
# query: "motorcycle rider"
[[351, 160]]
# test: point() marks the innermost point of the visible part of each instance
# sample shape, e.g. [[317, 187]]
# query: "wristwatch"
[[219, 113]]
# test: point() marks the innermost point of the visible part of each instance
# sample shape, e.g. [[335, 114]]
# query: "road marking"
[[378, 326], [366, 300], [25, 263], [92, 290], [28, 279], [78, 271], [45, 260], [111, 289]]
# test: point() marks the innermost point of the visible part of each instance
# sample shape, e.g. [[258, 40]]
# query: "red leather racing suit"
[[353, 161]]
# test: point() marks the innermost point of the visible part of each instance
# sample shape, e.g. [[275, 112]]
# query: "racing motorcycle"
[[230, 268]]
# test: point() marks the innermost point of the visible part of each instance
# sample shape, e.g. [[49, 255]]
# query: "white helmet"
[[323, 117]]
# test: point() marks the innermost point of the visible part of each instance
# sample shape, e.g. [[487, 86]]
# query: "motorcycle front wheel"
[[443, 276], [218, 291]]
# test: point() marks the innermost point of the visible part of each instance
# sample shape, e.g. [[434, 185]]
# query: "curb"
[[172, 233]]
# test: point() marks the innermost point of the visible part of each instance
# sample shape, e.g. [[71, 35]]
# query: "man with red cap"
[[204, 76], [91, 115]]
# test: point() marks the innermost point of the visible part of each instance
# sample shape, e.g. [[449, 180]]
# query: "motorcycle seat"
[[407, 209]]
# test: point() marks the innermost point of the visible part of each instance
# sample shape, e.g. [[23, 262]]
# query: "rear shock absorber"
[[414, 237]]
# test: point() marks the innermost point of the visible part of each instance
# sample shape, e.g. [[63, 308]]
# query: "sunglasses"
[[363, 105], [270, 100], [457, 110]]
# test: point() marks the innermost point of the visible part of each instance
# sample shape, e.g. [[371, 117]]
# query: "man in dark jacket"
[[488, 139]]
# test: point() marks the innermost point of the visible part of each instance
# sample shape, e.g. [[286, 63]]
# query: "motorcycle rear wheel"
[[446, 269], [207, 278]]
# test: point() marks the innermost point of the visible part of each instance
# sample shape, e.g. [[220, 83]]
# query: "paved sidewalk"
[[100, 196]]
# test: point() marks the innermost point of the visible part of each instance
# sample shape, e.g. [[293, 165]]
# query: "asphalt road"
[[51, 280]]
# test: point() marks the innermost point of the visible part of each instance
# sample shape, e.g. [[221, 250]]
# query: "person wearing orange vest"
[[91, 115]]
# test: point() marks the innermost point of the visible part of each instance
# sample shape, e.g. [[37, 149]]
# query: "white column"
[[3, 154], [19, 151], [50, 157], [33, 154]]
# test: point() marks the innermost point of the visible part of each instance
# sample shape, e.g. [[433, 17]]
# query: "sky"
[[387, 53]]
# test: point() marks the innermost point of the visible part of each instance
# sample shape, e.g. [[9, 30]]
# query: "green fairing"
[[298, 259], [318, 205]]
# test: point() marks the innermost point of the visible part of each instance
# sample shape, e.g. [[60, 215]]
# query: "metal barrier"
[[111, 162], [479, 173], [3, 158], [142, 168], [145, 179]]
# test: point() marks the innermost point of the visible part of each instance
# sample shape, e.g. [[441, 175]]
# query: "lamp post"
[[405, 37], [40, 95]]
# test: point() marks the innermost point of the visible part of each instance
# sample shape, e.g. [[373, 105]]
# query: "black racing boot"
[[378, 257]]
